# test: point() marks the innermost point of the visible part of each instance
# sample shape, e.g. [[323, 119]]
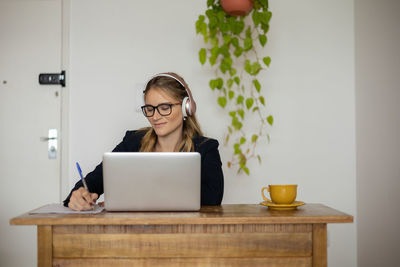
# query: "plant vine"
[[231, 48]]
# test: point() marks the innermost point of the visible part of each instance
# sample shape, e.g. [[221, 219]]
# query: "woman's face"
[[164, 125]]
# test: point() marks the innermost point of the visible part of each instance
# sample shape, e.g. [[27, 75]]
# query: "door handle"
[[45, 139], [52, 143]]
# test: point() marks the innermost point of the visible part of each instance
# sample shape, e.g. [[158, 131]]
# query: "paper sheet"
[[60, 209]]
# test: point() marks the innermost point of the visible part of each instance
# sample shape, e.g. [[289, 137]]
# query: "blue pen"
[[80, 173]]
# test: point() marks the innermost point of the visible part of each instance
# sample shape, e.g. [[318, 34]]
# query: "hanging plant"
[[232, 48]]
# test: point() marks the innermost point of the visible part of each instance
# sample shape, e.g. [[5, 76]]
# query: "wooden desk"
[[227, 235]]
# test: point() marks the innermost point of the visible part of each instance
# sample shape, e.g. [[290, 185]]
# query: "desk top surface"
[[224, 214]]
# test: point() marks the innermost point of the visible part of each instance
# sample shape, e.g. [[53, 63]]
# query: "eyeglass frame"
[[156, 108]]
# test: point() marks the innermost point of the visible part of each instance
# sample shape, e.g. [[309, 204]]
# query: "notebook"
[[152, 181]]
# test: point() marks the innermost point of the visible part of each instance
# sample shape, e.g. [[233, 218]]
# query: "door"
[[30, 43]]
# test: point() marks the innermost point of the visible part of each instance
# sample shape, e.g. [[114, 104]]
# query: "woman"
[[170, 110]]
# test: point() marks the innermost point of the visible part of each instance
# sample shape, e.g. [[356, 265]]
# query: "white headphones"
[[188, 103]]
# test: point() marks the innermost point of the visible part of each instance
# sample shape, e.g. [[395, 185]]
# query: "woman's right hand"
[[81, 199]]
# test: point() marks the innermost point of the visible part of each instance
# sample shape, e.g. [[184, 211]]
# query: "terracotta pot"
[[237, 7]]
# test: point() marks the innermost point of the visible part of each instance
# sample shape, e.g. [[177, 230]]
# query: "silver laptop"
[[151, 181]]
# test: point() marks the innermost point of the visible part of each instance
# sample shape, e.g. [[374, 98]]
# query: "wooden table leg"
[[320, 250], [45, 245]]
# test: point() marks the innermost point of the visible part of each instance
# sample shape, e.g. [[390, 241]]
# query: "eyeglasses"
[[163, 109]]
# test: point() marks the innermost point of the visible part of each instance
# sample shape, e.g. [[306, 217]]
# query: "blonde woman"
[[170, 109]]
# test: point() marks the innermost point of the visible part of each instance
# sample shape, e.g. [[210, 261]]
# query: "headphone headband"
[[188, 104]]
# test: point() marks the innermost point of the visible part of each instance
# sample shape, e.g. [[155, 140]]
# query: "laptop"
[[152, 181]]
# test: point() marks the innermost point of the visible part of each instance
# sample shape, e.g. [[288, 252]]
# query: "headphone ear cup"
[[186, 107]]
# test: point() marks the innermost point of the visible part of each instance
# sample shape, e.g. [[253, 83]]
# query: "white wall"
[[309, 88], [378, 130]]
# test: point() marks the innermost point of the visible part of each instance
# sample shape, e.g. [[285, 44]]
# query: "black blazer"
[[212, 178]]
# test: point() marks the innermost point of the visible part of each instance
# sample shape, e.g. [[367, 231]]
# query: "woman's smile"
[[159, 125]]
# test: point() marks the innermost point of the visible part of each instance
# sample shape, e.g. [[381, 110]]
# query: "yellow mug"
[[280, 194]]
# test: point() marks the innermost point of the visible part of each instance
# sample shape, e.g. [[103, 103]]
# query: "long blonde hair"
[[191, 127]]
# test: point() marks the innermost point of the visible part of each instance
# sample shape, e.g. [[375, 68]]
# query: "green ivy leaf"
[[256, 18], [226, 64], [213, 84], [259, 159], [231, 94], [242, 140], [242, 160], [255, 109], [223, 67], [247, 66], [219, 83], [235, 42], [270, 120], [267, 61], [237, 125], [249, 102], [214, 55], [210, 3], [265, 17], [230, 19], [232, 113], [202, 56], [247, 44], [237, 27], [241, 113], [232, 71], [222, 101], [262, 39], [238, 51], [221, 15], [203, 30], [239, 99], [262, 100], [255, 68], [257, 85], [265, 28], [236, 148], [227, 39], [215, 51], [210, 13], [254, 138], [228, 61], [201, 18], [224, 27], [229, 83], [224, 50], [214, 42], [213, 60], [264, 3], [246, 170], [248, 32], [212, 22], [199, 23], [269, 16], [236, 80]]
